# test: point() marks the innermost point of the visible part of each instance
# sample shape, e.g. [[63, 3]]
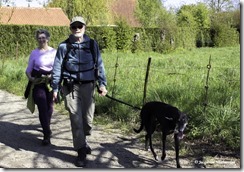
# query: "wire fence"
[[174, 71]]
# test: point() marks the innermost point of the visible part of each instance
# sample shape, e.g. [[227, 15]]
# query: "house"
[[56, 16], [33, 16], [125, 9]]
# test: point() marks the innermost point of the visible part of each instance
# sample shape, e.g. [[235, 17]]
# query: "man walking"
[[78, 65]]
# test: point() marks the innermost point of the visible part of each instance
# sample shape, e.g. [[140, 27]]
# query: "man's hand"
[[102, 91]]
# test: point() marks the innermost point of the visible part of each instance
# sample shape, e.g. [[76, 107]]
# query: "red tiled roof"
[[33, 16], [125, 9]]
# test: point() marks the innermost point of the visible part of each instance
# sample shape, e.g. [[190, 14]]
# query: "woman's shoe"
[[46, 140]]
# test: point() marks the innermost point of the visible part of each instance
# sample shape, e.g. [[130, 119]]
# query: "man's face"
[[77, 29]]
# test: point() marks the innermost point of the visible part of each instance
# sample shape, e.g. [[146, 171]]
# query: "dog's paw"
[[147, 148], [163, 157], [178, 166], [160, 161]]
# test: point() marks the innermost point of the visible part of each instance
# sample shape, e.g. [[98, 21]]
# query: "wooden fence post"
[[115, 73], [146, 80], [206, 86]]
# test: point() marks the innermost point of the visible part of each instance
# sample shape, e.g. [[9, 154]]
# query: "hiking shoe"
[[81, 158], [46, 142], [80, 162]]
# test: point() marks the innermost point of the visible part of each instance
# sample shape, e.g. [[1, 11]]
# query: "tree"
[[94, 11], [185, 16], [196, 17], [222, 5], [149, 12]]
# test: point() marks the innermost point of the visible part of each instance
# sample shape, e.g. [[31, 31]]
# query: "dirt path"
[[20, 144]]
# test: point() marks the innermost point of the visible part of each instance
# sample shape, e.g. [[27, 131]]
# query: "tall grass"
[[178, 78]]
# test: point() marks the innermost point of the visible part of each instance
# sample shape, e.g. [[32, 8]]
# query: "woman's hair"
[[42, 31]]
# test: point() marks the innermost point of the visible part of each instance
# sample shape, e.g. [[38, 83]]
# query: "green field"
[[179, 78]]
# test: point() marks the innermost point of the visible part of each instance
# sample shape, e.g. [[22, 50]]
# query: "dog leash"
[[117, 100], [112, 98]]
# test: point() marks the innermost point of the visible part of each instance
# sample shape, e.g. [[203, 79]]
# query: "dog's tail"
[[142, 122], [140, 129]]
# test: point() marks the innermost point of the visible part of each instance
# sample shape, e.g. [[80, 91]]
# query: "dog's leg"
[[151, 147], [177, 150], [146, 143], [164, 146]]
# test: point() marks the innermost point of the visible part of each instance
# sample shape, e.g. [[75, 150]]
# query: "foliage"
[[185, 16], [124, 35], [222, 31], [221, 5], [185, 38], [197, 18], [25, 42], [202, 16], [225, 36], [149, 12], [189, 28], [105, 36], [94, 11], [236, 19]]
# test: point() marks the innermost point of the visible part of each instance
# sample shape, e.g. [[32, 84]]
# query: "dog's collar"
[[170, 119]]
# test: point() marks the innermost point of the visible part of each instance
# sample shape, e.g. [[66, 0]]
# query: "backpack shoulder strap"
[[68, 47], [94, 56]]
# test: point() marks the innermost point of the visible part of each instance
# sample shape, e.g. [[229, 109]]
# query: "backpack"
[[73, 67], [75, 70]]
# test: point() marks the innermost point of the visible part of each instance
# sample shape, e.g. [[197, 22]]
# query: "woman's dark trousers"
[[44, 101]]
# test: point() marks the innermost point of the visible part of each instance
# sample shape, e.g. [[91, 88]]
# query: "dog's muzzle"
[[180, 131], [180, 135]]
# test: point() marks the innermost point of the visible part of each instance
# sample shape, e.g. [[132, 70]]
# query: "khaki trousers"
[[81, 106]]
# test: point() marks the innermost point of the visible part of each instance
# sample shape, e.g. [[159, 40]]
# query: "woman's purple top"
[[41, 60]]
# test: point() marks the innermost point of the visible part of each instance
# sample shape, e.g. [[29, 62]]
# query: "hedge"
[[18, 40]]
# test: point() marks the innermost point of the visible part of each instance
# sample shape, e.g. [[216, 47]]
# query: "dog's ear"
[[183, 116]]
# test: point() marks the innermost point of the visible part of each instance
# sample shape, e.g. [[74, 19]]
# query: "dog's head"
[[181, 125]]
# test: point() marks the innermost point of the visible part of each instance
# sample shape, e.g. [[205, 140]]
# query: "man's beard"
[[78, 35]]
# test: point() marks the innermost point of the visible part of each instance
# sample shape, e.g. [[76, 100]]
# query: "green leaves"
[[95, 12]]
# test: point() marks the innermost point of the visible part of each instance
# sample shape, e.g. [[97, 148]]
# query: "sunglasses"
[[75, 27]]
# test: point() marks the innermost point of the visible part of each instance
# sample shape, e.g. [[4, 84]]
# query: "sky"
[[39, 3], [178, 3], [26, 3]]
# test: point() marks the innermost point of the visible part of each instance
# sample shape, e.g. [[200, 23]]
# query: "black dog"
[[171, 120]]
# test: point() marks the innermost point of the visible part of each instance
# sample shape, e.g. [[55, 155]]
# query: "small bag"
[[27, 89]]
